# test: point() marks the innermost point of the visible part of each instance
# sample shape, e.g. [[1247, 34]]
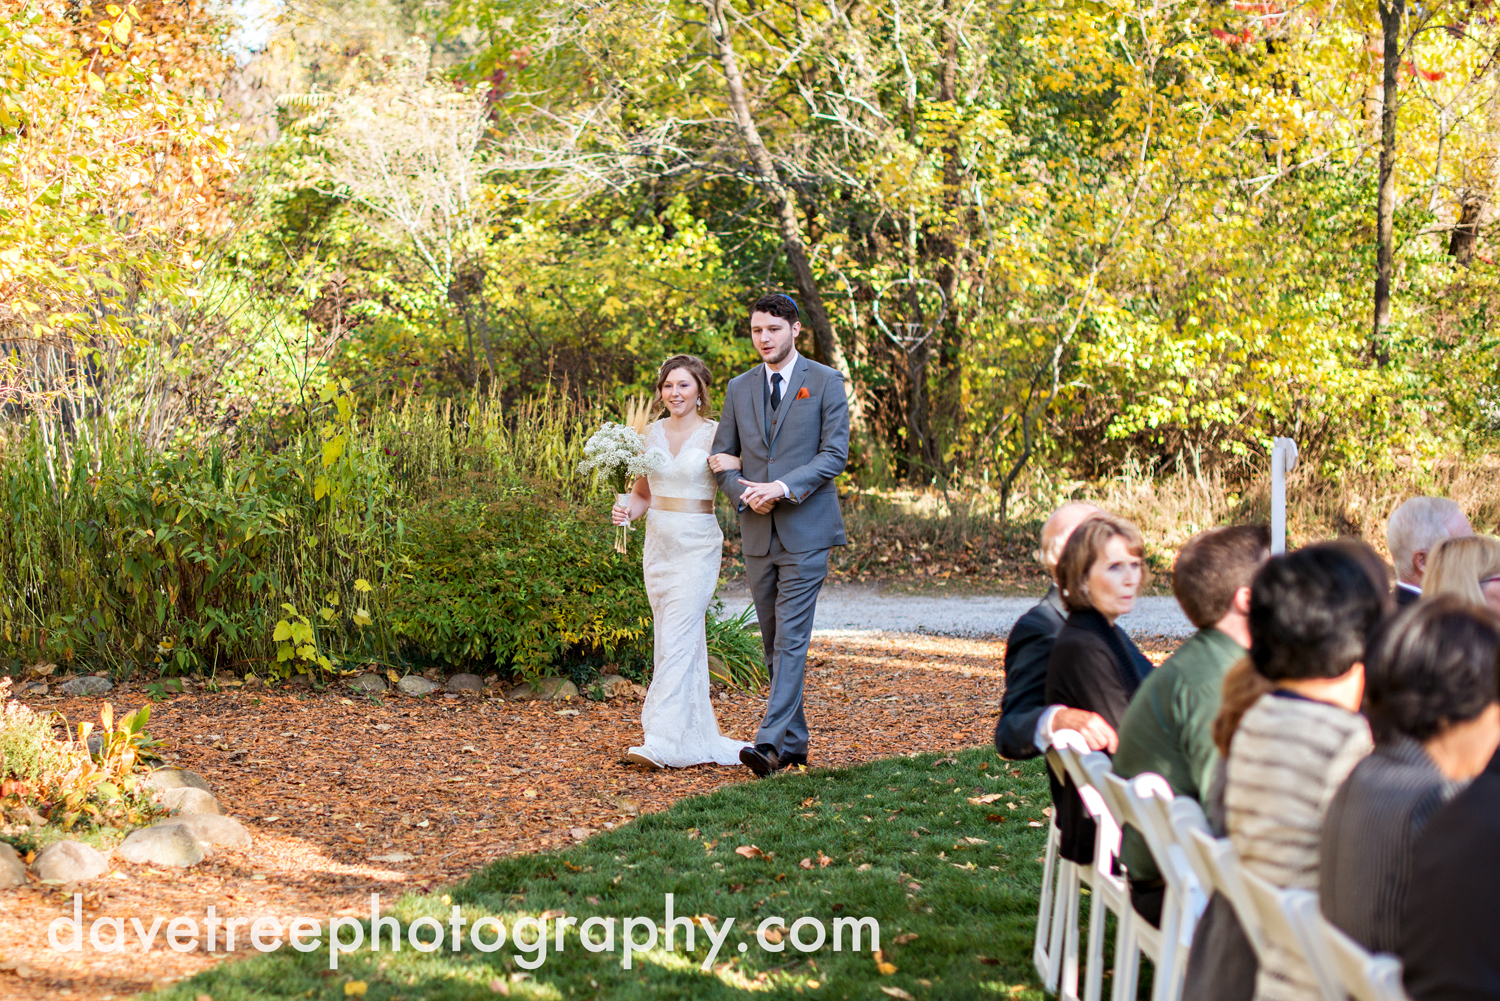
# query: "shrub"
[[515, 581]]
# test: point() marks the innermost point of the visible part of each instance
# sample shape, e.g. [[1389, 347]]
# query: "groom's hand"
[[760, 497]]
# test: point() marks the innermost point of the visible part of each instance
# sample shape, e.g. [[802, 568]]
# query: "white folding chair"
[[1360, 975], [1223, 865], [1142, 803], [1287, 919], [1058, 910], [1107, 891]]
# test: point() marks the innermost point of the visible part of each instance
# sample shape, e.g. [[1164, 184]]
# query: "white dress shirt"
[[788, 365]]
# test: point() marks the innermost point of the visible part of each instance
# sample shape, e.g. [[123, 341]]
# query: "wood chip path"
[[324, 784]]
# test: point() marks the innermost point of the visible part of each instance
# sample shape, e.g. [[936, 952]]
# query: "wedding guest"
[[1094, 665], [1430, 697], [1468, 568], [1312, 614], [1450, 934], [1168, 727], [1222, 964], [1026, 721], [1414, 529]]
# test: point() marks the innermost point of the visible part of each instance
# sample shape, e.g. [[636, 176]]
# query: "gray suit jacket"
[[804, 444]]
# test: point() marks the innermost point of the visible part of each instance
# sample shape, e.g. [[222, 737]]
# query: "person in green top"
[[1168, 727]]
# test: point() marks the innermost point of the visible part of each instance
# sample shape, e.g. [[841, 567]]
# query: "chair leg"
[[1127, 958], [1093, 989], [1067, 931], [1044, 952]]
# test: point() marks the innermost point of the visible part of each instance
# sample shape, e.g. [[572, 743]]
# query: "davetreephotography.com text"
[[534, 938]]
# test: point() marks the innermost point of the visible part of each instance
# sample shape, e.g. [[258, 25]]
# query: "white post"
[[1283, 461]]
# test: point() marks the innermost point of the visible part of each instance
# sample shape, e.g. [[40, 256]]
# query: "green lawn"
[[952, 887]]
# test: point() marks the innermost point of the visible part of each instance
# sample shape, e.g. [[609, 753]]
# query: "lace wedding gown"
[[683, 550]]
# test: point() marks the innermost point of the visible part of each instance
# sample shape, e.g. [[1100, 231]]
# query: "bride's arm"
[[640, 500]]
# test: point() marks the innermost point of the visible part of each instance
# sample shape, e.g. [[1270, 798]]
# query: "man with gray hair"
[[1026, 721], [1415, 529]]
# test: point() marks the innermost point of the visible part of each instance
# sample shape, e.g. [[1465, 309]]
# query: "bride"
[[683, 551]]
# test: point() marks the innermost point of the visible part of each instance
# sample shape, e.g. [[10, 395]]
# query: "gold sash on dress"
[[682, 505]]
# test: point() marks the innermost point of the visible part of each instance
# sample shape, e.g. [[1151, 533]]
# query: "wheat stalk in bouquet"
[[617, 453]]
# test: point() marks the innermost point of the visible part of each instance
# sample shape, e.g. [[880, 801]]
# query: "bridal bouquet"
[[617, 452]]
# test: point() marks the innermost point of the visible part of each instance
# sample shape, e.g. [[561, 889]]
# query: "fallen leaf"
[[350, 702], [529, 793], [806, 863], [946, 761], [863, 867], [750, 851], [1034, 823], [354, 839], [500, 987], [988, 961], [773, 935], [904, 938], [897, 992], [355, 989], [824, 861], [996, 818], [984, 800], [976, 841], [885, 967], [592, 900], [549, 915]]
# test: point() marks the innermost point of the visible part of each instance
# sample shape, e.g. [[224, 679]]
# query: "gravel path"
[[846, 610]]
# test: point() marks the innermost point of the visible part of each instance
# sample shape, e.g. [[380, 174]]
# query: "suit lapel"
[[758, 401], [799, 376]]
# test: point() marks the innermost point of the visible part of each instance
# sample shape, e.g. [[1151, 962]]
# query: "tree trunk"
[[825, 344], [1466, 231], [1392, 13], [950, 345]]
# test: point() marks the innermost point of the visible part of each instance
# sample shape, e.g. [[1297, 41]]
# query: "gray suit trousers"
[[785, 589]]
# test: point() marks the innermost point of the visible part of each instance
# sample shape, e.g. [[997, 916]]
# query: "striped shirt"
[[1286, 761]]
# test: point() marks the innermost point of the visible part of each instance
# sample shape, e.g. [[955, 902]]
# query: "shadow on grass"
[[952, 886]]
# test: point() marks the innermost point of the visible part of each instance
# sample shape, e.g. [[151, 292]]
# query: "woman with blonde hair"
[[1467, 567]]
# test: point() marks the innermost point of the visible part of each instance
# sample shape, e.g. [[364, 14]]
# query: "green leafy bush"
[[516, 581]]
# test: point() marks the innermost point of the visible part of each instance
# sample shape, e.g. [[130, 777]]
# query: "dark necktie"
[[775, 390]]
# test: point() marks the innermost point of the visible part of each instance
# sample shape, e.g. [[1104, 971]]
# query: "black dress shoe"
[[793, 760], [760, 759]]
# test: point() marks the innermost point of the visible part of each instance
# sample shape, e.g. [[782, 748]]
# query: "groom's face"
[[773, 337]]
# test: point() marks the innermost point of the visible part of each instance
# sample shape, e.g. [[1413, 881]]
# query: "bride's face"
[[679, 392]]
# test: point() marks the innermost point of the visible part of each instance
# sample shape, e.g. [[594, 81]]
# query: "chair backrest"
[[1288, 917], [1364, 976], [1144, 802], [1223, 864], [1077, 761], [1184, 816]]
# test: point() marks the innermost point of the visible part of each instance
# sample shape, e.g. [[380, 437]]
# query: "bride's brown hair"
[[695, 367]]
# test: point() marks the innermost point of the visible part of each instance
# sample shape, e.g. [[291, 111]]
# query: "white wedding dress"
[[683, 551]]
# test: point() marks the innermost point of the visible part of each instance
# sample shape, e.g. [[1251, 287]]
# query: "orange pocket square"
[[802, 394]]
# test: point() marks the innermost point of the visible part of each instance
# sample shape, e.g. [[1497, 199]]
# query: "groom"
[[788, 421]]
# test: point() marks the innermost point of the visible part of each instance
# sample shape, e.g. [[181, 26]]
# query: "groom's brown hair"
[[778, 304]]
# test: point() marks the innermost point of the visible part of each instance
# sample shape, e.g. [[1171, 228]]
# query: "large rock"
[[170, 843], [415, 684], [188, 800], [89, 685], [212, 829], [560, 689], [613, 685], [369, 682], [176, 778], [68, 862], [465, 683], [12, 869]]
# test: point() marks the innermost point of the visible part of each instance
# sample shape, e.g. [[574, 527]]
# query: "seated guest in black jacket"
[[1430, 696], [1026, 720], [1450, 935], [1094, 665]]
